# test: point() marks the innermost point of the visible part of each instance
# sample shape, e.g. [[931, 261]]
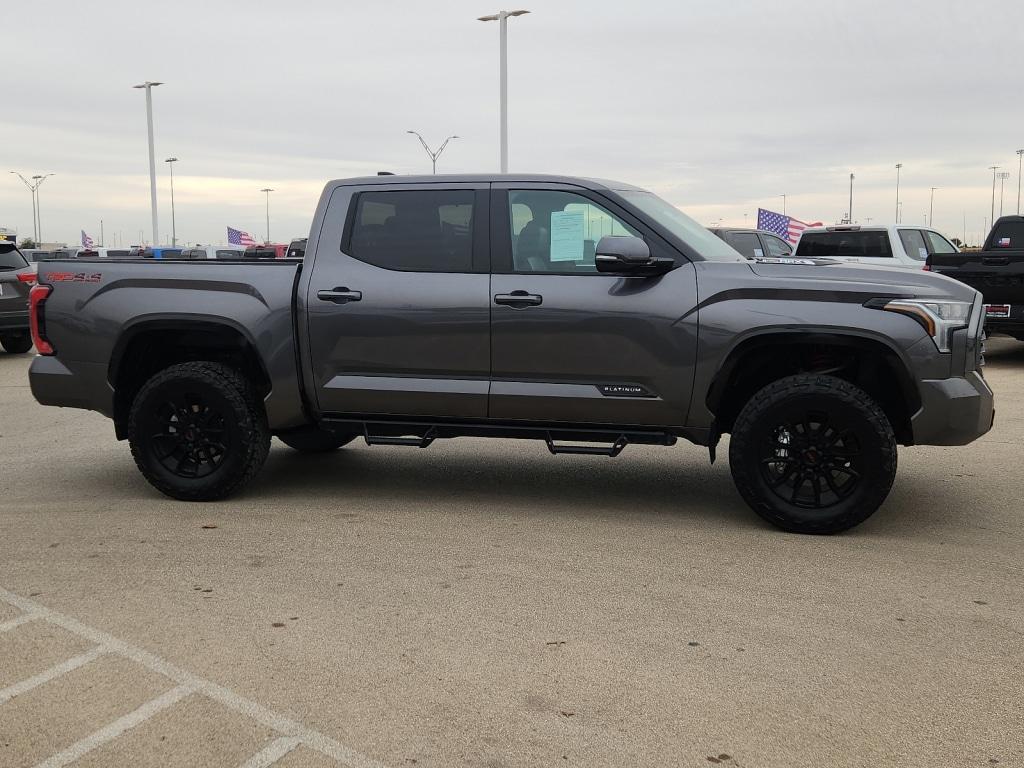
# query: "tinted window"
[[414, 230], [746, 243], [680, 225], [558, 231], [1009, 234], [777, 247], [118, 254], [229, 254], [11, 259], [938, 244], [913, 244], [845, 244]]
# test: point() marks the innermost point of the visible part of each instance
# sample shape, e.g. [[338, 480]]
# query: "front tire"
[[198, 431], [16, 343], [813, 454]]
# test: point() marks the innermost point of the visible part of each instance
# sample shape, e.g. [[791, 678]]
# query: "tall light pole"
[[993, 168], [849, 211], [931, 206], [783, 196], [502, 18], [899, 210], [898, 167], [174, 230], [433, 155], [149, 85], [1003, 176], [1020, 154], [33, 188], [268, 190]]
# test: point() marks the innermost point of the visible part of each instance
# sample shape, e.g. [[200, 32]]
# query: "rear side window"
[[914, 244], [845, 244], [229, 254], [938, 244], [746, 243], [1009, 234], [777, 247], [12, 259], [414, 230]]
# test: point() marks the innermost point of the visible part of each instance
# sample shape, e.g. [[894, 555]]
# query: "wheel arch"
[[867, 361]]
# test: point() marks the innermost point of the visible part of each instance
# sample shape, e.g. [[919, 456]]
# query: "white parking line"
[[273, 752], [25, 618], [283, 725], [116, 728], [47, 675]]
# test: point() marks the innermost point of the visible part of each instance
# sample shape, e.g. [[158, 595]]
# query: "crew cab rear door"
[[398, 301], [570, 344]]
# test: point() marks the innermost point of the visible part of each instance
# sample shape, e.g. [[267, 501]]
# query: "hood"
[[822, 274]]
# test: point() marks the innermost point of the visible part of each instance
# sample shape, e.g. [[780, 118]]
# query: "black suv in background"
[[16, 280], [755, 243]]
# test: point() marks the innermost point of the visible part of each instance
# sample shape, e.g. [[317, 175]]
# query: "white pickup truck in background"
[[898, 245]]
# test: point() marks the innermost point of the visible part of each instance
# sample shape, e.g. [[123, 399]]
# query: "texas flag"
[[87, 242]]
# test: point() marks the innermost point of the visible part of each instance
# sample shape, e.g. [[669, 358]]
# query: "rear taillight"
[[927, 268], [27, 277], [36, 320]]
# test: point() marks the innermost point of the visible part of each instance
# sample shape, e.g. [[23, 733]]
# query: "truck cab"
[[899, 245]]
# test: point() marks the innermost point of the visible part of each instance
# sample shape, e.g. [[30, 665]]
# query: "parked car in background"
[[213, 252], [267, 251], [491, 306], [40, 254], [754, 243], [161, 252], [997, 270], [897, 245], [16, 280], [297, 248], [104, 253]]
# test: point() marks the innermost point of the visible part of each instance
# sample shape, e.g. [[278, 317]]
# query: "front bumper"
[[14, 321], [954, 411]]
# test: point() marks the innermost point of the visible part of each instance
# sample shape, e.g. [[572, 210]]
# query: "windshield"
[[11, 258], [681, 226]]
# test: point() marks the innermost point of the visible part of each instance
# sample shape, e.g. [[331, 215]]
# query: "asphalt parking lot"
[[486, 604]]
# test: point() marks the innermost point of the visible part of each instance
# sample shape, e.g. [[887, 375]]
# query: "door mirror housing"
[[630, 255]]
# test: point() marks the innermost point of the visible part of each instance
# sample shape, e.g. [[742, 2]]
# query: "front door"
[[570, 344], [398, 303]]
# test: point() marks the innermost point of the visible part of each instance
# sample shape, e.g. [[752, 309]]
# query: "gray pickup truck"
[[587, 314]]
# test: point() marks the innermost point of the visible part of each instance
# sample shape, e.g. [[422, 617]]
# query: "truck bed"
[[91, 320]]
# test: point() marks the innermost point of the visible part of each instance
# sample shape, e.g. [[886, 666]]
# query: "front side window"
[[414, 230], [777, 247], [558, 231], [938, 244], [914, 244], [746, 243]]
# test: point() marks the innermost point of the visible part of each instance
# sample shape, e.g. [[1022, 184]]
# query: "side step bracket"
[[588, 450]]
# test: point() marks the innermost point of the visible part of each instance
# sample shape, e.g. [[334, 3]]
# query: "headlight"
[[938, 318]]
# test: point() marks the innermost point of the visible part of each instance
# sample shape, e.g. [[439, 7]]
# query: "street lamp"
[[783, 196], [899, 210], [268, 190], [502, 17], [931, 206], [33, 187], [993, 168], [849, 211], [898, 166], [433, 155], [1020, 154], [174, 231], [149, 85], [1003, 176]]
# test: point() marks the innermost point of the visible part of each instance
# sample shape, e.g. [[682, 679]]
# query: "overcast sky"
[[720, 107]]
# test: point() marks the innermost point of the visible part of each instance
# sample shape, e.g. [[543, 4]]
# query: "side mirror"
[[618, 253]]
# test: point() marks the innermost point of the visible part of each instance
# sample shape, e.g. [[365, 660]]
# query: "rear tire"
[[198, 431], [16, 343], [314, 440], [813, 454]]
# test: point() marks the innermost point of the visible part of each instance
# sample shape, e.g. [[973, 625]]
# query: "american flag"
[[238, 237], [87, 242], [784, 226]]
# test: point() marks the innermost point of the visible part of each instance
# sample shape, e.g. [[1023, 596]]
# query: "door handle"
[[518, 299], [340, 295]]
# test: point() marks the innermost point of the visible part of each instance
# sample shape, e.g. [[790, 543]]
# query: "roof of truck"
[[471, 178]]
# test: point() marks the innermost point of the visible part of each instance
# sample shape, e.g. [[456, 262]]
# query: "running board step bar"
[[580, 440]]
